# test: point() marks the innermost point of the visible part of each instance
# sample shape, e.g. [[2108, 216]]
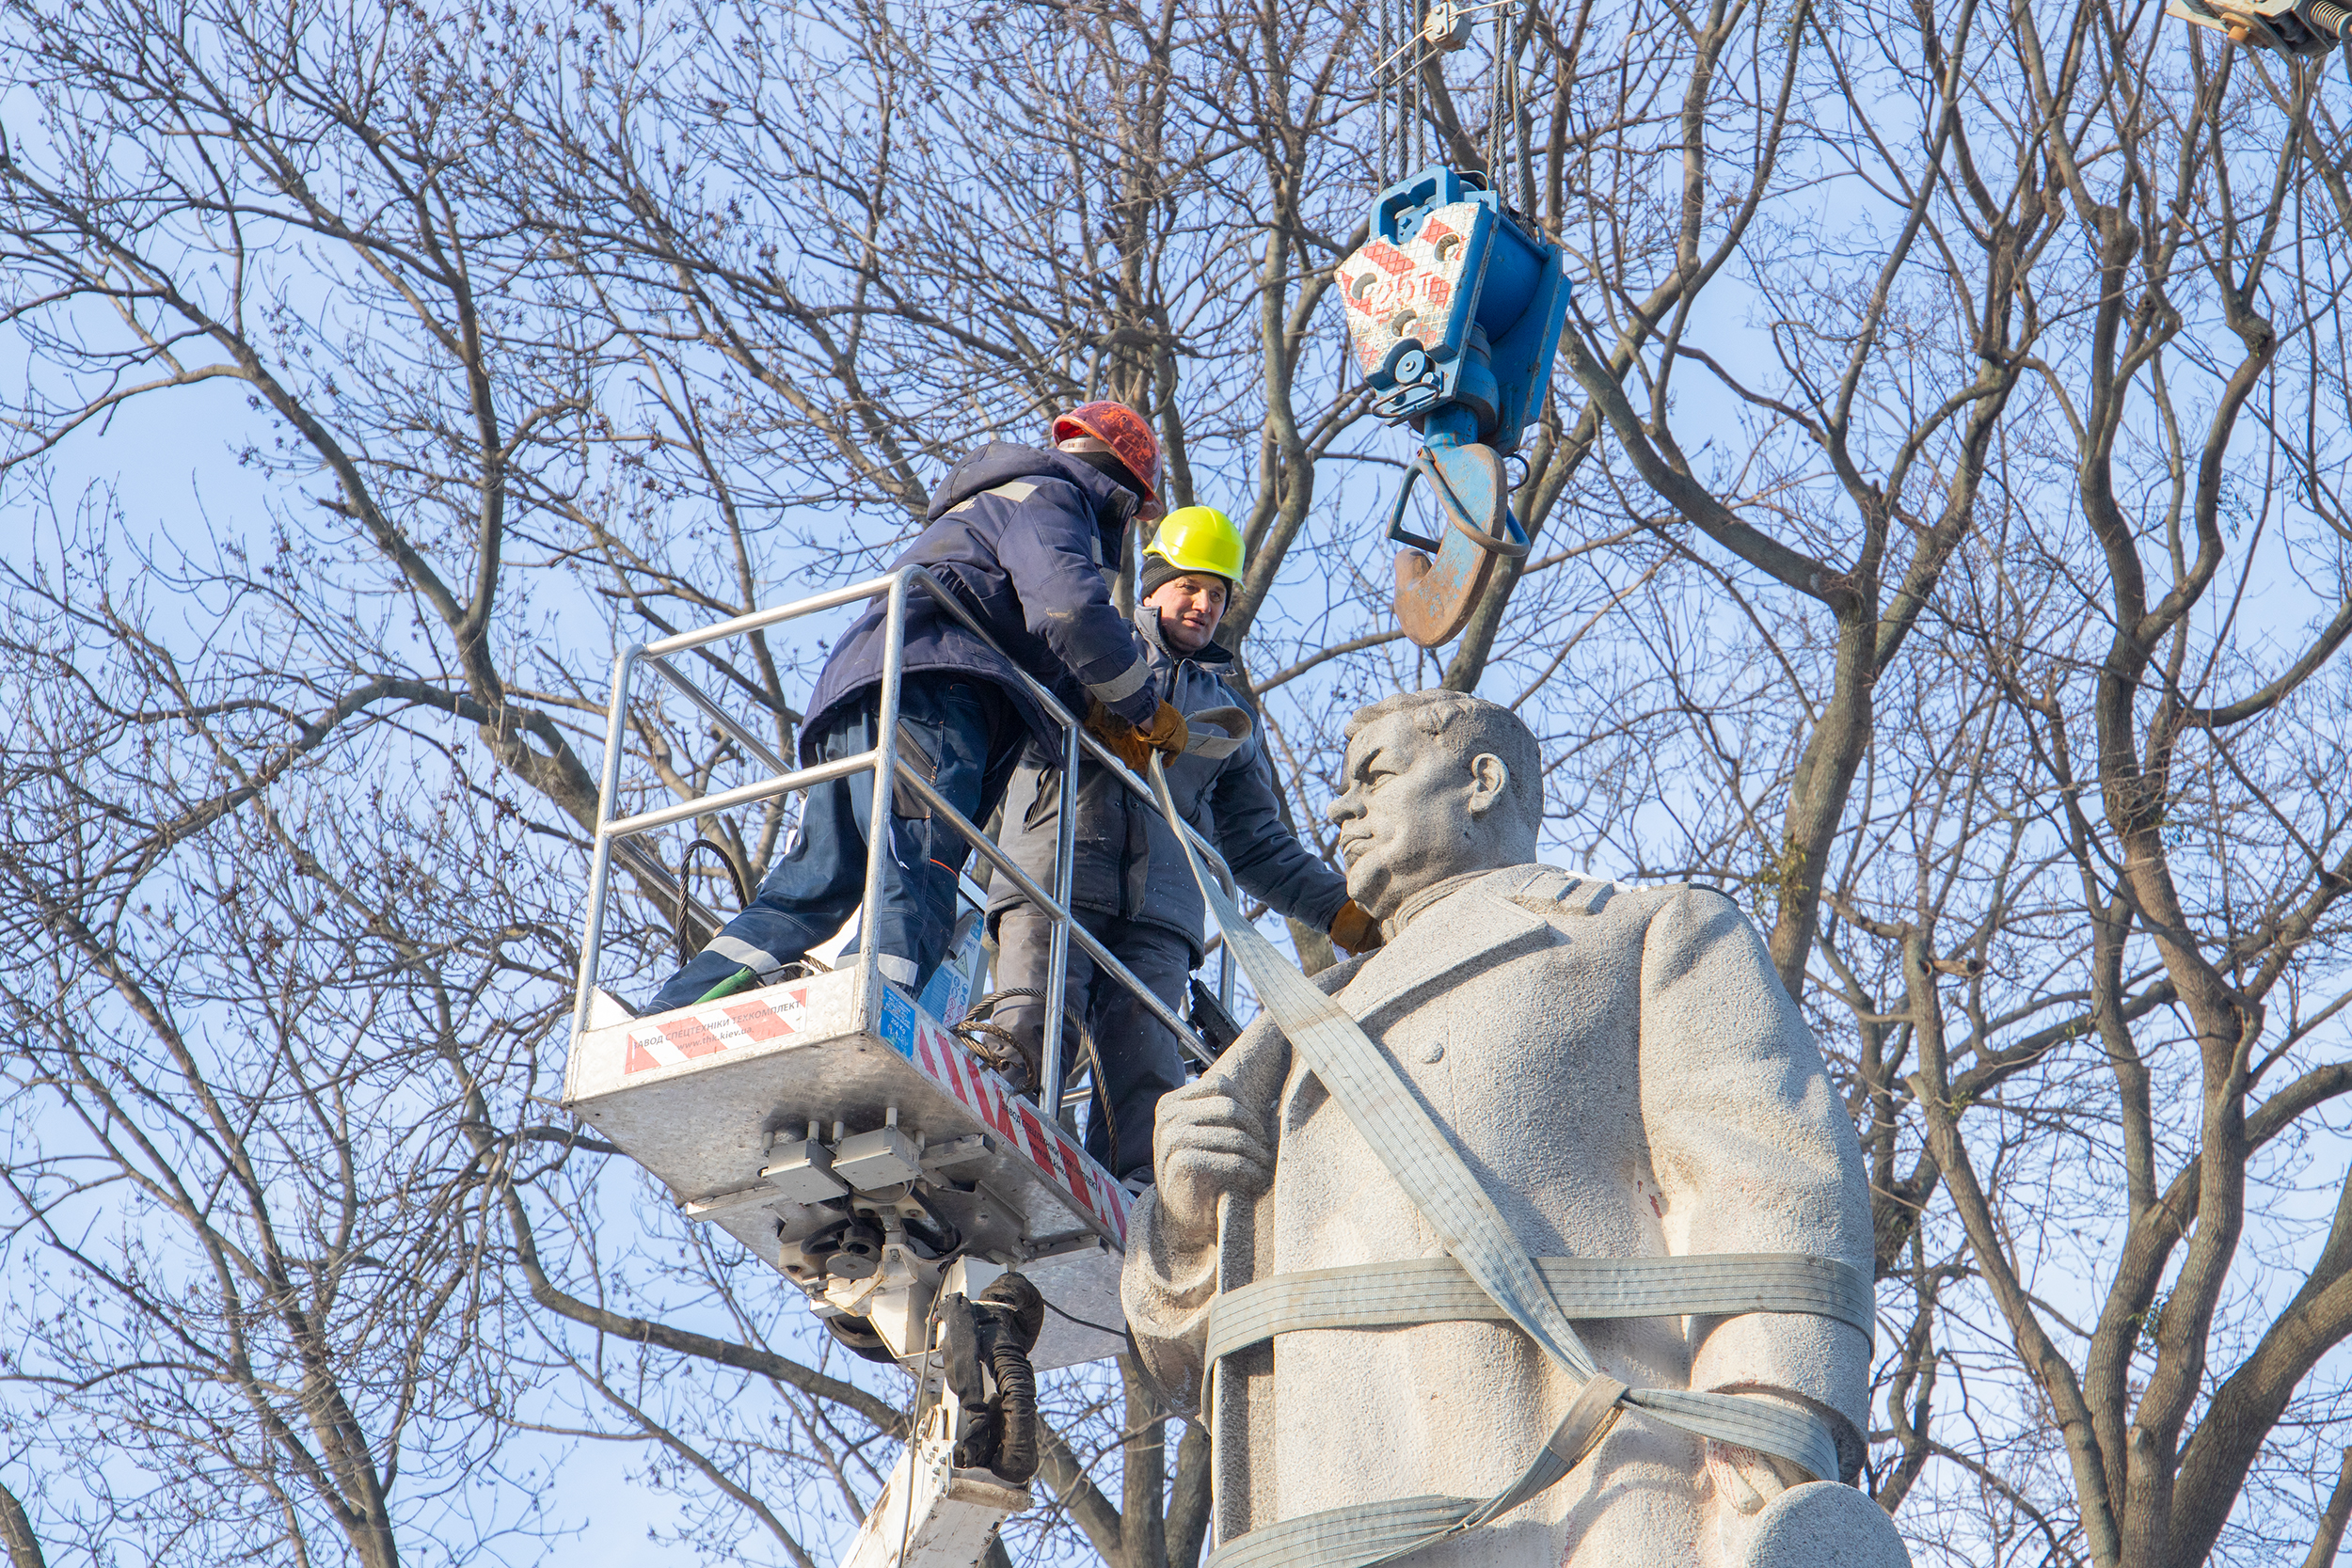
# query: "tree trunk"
[[2331, 1537], [1188, 1501], [16, 1530]]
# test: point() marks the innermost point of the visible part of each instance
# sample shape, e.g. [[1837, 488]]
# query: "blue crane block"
[[1455, 309], [1452, 301]]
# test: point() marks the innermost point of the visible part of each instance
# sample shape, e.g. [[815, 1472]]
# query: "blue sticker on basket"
[[898, 1021]]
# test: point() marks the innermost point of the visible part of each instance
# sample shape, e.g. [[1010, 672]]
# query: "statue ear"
[[1489, 779]]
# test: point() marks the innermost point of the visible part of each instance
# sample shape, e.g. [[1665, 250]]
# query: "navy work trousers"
[[965, 734], [1139, 1059]]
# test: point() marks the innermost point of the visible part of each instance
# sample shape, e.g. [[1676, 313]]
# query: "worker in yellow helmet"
[[1129, 882]]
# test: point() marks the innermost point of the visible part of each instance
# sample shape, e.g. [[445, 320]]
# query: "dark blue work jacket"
[[1023, 538]]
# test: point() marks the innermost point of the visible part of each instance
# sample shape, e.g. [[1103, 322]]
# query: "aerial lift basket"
[[782, 1118], [840, 1131]]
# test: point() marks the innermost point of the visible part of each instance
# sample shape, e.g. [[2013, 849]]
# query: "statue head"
[[1438, 784]]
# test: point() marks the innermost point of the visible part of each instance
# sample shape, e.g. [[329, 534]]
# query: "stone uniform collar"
[[1395, 925]]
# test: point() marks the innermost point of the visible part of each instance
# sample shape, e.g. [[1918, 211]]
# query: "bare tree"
[[249, 1263], [297, 844], [1939, 545], [2083, 941]]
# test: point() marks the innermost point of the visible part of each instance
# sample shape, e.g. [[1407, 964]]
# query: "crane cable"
[[1413, 34]]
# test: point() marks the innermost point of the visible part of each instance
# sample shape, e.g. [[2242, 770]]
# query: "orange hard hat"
[[1128, 435]]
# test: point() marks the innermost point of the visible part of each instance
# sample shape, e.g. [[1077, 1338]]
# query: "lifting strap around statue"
[[1381, 1106], [1435, 1289]]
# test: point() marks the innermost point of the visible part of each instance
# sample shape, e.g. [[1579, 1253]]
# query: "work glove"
[[1133, 746], [1117, 737], [1354, 929], [1167, 734]]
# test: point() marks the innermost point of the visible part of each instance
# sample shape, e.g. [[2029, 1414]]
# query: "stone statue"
[[1624, 1073]]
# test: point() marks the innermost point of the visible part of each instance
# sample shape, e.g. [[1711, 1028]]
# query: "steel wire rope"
[[685, 880], [1072, 1021], [1494, 117]]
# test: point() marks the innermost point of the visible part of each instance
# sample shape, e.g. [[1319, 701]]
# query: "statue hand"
[[1206, 1144]]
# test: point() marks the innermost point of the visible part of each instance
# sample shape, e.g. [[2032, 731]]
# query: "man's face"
[[1404, 821], [1191, 606]]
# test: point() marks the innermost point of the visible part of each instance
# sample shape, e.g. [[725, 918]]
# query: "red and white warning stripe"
[[677, 1038], [1394, 292], [1053, 1152]]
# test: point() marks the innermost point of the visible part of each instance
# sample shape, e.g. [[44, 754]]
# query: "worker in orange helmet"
[[1024, 537]]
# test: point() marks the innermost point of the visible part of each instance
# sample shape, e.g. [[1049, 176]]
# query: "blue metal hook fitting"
[[1455, 309]]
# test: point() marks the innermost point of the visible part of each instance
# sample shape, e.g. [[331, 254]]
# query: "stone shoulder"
[[1332, 981], [1565, 898]]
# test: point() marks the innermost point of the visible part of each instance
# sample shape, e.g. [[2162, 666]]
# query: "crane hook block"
[[1454, 309]]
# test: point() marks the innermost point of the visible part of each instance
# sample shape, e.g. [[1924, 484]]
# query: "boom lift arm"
[[2287, 27]]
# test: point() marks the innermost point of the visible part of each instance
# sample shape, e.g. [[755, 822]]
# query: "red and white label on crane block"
[[1400, 291]]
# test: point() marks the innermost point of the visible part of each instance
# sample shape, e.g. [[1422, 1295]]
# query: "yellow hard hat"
[[1199, 539]]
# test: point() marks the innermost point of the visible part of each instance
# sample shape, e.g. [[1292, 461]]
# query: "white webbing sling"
[[1380, 1104], [1435, 1289]]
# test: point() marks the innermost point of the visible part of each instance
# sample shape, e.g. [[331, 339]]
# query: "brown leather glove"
[[1120, 738], [1354, 929], [1165, 733]]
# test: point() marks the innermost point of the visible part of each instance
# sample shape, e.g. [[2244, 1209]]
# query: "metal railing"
[[613, 834]]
